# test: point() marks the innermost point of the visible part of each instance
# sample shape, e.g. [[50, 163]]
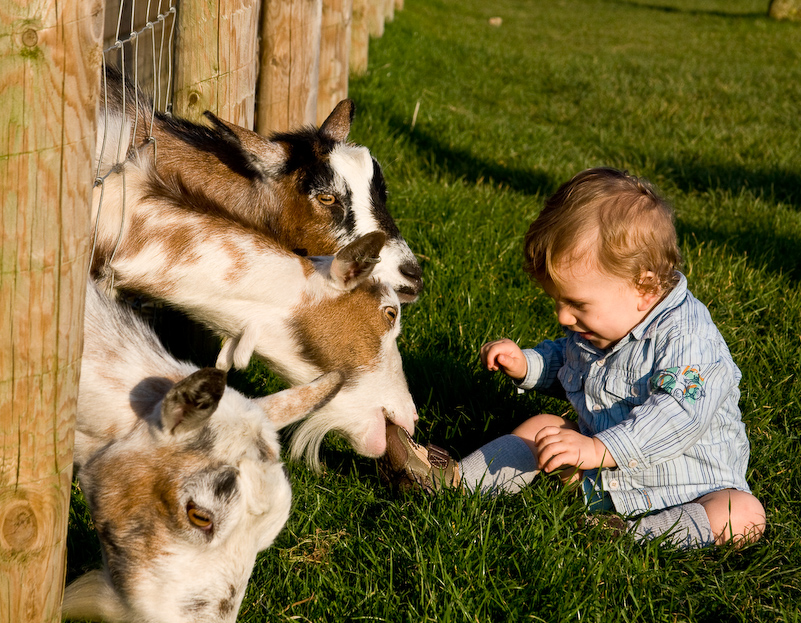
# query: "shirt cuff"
[[536, 366], [624, 451]]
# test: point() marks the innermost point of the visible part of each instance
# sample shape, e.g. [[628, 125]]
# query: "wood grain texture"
[[334, 55], [216, 60], [290, 63], [49, 78]]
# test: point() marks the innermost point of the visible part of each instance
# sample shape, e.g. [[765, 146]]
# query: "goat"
[[303, 315], [309, 189], [182, 475]]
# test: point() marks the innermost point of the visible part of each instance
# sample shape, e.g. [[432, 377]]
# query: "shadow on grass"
[[673, 9], [775, 185], [463, 165], [462, 408], [765, 249], [777, 252]]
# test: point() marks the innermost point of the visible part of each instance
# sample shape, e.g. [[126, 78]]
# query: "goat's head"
[[185, 501], [345, 321], [331, 192]]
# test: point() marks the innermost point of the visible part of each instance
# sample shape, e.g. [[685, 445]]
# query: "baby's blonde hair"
[[618, 217]]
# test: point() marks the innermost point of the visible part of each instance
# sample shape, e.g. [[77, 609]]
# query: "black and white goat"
[[310, 190], [182, 475]]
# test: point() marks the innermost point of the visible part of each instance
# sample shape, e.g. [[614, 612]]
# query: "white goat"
[[182, 475]]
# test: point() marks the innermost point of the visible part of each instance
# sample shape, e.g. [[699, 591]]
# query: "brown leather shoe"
[[408, 465]]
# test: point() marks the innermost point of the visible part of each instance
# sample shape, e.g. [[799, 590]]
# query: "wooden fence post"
[[375, 18], [290, 64], [359, 38], [334, 55], [216, 55], [50, 79]]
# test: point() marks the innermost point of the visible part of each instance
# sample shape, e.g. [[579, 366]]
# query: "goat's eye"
[[198, 517], [327, 200], [391, 313]]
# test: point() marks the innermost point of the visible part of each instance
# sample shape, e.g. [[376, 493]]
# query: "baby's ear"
[[650, 290]]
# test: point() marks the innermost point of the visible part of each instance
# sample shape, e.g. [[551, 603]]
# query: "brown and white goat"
[[182, 475], [303, 315], [310, 190]]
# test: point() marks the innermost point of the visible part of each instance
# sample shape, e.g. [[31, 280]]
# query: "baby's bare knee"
[[735, 516], [533, 425]]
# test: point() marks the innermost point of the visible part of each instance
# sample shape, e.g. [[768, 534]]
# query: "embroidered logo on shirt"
[[682, 383]]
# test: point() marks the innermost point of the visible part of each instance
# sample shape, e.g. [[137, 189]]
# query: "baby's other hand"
[[506, 356]]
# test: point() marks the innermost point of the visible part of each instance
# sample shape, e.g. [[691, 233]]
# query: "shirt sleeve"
[[688, 386], [544, 362]]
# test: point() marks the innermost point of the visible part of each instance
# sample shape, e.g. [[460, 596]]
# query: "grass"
[[475, 125]]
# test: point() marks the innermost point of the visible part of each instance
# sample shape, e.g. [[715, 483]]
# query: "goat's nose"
[[412, 270]]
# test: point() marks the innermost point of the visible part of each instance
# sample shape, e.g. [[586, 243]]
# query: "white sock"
[[687, 526], [505, 464]]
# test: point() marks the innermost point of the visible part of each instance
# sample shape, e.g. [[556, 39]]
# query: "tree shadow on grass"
[[776, 185], [672, 9], [461, 164], [777, 252]]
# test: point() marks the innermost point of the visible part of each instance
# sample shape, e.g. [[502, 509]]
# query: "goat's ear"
[[337, 125], [354, 263], [260, 156], [293, 404], [191, 401]]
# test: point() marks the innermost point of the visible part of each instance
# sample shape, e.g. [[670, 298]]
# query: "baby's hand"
[[558, 448], [506, 356]]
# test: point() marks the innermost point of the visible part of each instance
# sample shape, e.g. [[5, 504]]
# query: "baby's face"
[[600, 307]]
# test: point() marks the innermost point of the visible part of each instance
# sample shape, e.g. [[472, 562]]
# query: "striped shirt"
[[663, 401]]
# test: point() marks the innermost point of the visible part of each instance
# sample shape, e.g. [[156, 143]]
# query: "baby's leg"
[[734, 516], [508, 463]]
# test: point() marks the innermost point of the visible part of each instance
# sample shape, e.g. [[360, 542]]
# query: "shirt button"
[[635, 391], [596, 408], [614, 484], [633, 463], [601, 362]]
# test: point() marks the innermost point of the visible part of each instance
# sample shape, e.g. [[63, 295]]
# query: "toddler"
[[658, 437]]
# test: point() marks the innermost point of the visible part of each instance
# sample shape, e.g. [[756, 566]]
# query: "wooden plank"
[[359, 38], [49, 78], [290, 64], [334, 55], [216, 60], [375, 18]]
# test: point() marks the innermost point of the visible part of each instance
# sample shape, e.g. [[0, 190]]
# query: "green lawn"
[[475, 125]]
